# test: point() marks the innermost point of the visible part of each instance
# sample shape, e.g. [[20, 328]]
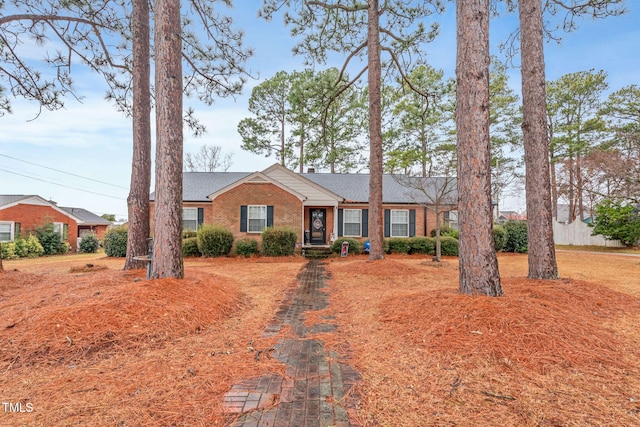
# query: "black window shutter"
[[16, 232], [65, 231], [200, 217], [243, 218], [412, 222], [387, 222], [340, 221], [269, 216], [365, 222]]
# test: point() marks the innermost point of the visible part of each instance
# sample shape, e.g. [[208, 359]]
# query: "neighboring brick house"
[[90, 223], [21, 214], [319, 207]]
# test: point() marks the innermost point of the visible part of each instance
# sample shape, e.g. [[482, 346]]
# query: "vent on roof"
[[311, 170]]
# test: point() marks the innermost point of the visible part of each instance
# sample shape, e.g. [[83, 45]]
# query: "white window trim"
[[12, 228], [196, 219], [344, 223], [249, 218], [392, 223], [61, 229]]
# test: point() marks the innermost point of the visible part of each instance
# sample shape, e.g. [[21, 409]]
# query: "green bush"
[[29, 247], [355, 247], [190, 247], [517, 240], [499, 237], [9, 250], [422, 245], [448, 246], [397, 245], [20, 247], [246, 247], [445, 231], [187, 234], [51, 240], [279, 241], [115, 242], [214, 240], [89, 244]]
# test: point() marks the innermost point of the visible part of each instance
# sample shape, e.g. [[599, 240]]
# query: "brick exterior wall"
[[31, 217], [287, 208], [98, 230]]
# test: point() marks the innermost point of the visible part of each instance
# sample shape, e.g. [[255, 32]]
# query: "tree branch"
[[354, 8]]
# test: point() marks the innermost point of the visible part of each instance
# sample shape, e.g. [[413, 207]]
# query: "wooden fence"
[[579, 234]]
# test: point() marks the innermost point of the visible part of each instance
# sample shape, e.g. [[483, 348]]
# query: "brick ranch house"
[[319, 207], [21, 214]]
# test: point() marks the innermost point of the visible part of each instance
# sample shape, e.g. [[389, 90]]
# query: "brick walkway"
[[314, 391]]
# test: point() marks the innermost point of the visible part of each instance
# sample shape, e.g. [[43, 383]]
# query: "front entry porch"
[[319, 226]]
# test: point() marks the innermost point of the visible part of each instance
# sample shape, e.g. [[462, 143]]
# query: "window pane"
[[189, 214], [399, 223], [190, 219], [352, 229], [352, 222], [5, 232], [399, 230], [399, 216], [257, 219], [190, 225], [351, 215], [58, 227]]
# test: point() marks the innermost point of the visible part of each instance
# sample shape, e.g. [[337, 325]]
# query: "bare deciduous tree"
[[208, 159]]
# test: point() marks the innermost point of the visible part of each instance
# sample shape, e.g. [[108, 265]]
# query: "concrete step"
[[318, 252]]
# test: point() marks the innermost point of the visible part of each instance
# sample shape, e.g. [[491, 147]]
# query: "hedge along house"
[[22, 214], [319, 207]]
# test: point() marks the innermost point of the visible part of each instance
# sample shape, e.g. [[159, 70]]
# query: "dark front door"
[[318, 226]]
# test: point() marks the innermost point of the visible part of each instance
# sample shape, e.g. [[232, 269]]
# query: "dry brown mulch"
[[563, 352], [105, 347], [110, 348]]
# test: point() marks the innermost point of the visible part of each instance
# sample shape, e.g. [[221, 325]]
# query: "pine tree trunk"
[[541, 253], [478, 262], [167, 218], [376, 229], [1, 267], [138, 200]]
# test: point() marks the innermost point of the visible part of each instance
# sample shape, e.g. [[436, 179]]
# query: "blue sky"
[[91, 139]]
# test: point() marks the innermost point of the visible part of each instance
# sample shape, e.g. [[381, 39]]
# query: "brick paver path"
[[314, 391]]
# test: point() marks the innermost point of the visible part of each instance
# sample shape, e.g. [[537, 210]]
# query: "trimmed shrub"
[[499, 237], [89, 244], [246, 247], [422, 245], [50, 240], [517, 239], [9, 250], [397, 245], [29, 247], [280, 241], [448, 246], [190, 247], [355, 247], [20, 247], [214, 241], [115, 242], [445, 231], [187, 234]]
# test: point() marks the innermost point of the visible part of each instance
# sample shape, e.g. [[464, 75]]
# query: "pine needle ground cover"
[[85, 343]]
